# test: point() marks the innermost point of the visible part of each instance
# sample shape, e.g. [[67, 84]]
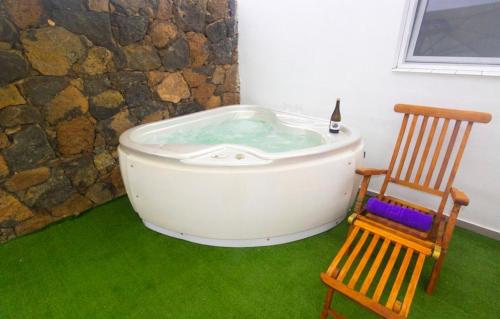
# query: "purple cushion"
[[406, 216]]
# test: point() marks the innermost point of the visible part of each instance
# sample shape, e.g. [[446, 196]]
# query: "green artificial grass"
[[106, 264]]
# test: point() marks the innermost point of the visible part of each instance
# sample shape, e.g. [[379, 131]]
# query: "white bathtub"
[[235, 195]]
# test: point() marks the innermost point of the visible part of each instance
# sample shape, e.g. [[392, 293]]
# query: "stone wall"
[[74, 74]]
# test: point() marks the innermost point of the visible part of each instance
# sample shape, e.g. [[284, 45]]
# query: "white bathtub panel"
[[124, 165], [236, 195], [229, 203]]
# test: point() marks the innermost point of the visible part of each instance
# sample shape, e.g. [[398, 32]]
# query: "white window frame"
[[444, 65]]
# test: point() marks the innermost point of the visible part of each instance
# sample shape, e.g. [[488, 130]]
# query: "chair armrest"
[[370, 171], [367, 174], [459, 197]]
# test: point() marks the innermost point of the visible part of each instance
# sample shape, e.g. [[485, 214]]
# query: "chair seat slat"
[[410, 291], [373, 269], [353, 255], [392, 225], [420, 246], [410, 205], [363, 300], [342, 251], [364, 260], [387, 272], [399, 279]]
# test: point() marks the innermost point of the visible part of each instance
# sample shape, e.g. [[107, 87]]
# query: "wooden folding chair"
[[379, 251]]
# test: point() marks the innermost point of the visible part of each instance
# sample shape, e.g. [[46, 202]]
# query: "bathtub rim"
[[126, 141]]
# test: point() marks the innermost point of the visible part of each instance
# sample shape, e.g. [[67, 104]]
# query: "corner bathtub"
[[238, 195]]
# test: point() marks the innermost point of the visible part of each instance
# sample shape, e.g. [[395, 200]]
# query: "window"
[[458, 36]]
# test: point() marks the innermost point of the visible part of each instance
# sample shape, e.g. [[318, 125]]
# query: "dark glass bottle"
[[335, 119]]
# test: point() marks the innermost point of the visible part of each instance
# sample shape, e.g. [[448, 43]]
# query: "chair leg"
[[327, 304], [436, 269]]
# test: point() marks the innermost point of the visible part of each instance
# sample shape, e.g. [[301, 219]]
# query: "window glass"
[[456, 28]]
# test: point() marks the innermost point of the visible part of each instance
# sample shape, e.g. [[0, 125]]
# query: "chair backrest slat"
[[395, 153], [409, 143], [417, 148], [437, 150], [417, 187], [456, 165], [462, 115], [447, 155], [426, 150], [409, 137]]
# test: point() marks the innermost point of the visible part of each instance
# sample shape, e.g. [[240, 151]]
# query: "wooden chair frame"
[[414, 165]]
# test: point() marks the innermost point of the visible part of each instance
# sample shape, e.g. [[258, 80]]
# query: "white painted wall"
[[301, 55]]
